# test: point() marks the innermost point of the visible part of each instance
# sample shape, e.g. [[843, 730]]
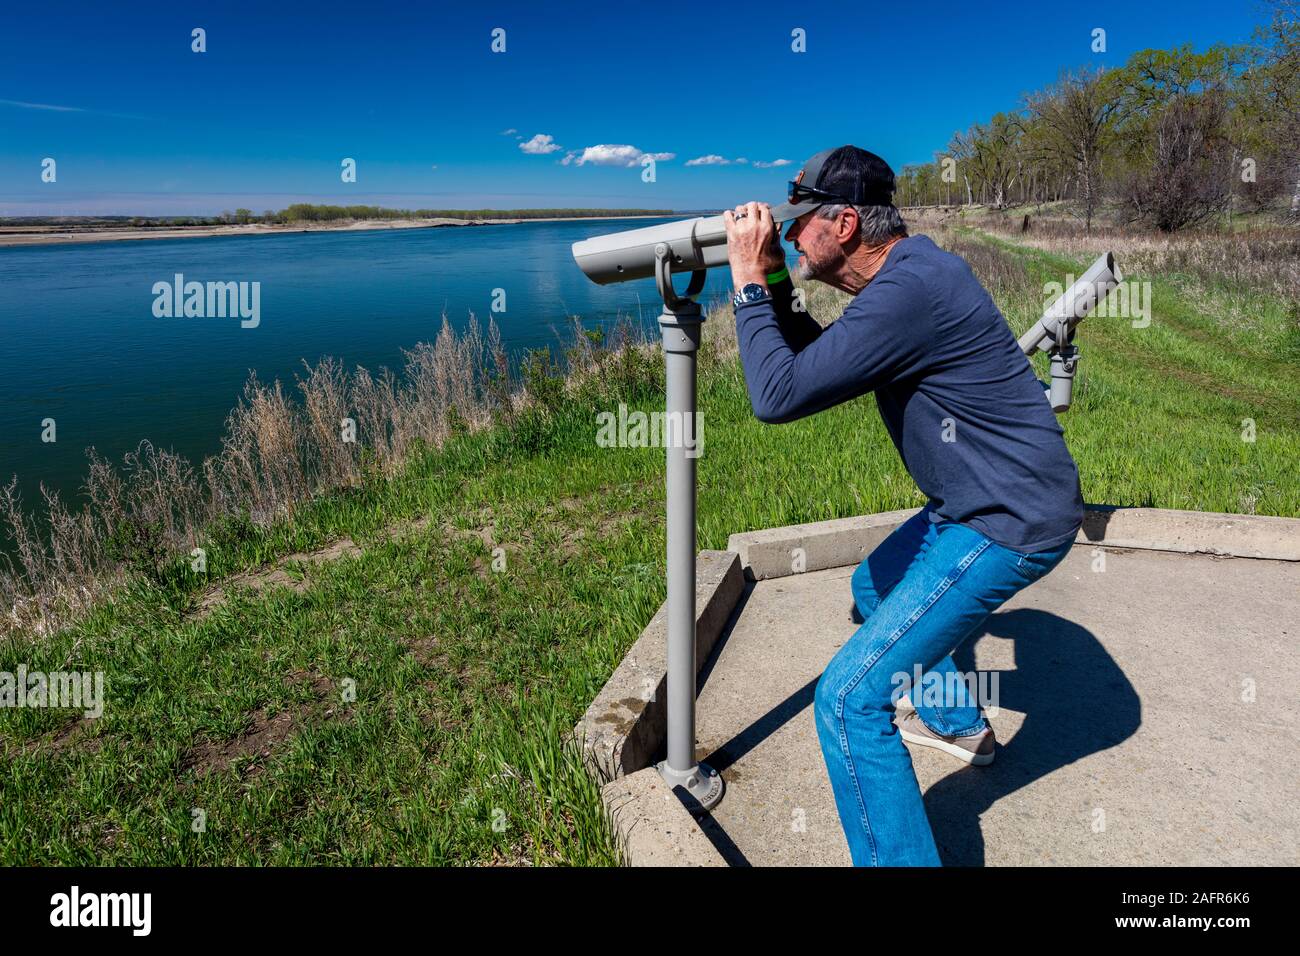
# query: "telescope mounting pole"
[[1064, 361], [680, 325]]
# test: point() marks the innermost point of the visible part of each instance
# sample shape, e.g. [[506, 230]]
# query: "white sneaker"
[[976, 749]]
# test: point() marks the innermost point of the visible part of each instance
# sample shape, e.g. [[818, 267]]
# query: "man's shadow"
[[1076, 702]]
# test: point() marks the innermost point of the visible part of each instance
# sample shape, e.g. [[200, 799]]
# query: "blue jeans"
[[922, 593]]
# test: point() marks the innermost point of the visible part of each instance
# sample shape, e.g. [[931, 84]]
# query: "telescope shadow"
[[1075, 698]]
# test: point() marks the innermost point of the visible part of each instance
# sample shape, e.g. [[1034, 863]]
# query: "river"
[[87, 343]]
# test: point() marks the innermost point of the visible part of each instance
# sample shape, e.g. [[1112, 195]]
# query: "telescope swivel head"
[[664, 282]]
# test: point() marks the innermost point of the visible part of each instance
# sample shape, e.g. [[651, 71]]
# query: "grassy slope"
[[466, 677], [1159, 411]]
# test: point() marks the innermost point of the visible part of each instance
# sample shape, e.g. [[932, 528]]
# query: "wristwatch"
[[751, 292]]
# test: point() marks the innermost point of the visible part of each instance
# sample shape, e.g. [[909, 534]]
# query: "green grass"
[[1159, 412], [466, 678]]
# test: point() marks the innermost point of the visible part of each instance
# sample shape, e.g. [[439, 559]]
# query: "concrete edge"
[[627, 722], [796, 548], [1192, 532], [777, 552], [653, 826]]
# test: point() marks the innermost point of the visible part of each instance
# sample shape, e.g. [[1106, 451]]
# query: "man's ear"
[[847, 225]]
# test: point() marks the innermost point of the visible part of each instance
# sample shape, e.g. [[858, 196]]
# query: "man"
[[966, 413]]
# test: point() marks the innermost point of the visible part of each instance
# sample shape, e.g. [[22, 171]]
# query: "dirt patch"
[[74, 737], [262, 736], [77, 736], [343, 548], [278, 576], [425, 650], [265, 734]]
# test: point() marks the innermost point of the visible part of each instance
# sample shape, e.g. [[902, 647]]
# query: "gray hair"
[[876, 224]]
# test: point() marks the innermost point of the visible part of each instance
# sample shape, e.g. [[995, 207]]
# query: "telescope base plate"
[[702, 783]]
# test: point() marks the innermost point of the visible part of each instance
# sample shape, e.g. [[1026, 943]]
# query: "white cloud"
[[509, 132], [540, 145], [713, 159], [613, 155]]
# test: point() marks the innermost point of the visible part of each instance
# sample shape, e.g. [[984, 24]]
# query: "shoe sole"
[[961, 753]]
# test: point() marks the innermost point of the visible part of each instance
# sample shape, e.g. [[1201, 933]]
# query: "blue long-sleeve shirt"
[[958, 397]]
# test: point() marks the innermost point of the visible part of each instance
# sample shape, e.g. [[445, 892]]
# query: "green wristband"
[[778, 276]]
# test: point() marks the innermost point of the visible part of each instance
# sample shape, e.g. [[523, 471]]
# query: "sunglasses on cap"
[[799, 192], [865, 196]]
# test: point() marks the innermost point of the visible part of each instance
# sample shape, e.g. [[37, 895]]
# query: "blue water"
[[79, 342]]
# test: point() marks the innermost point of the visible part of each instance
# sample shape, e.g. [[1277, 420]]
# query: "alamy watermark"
[[208, 300], [1128, 300], [933, 689], [63, 690], [130, 910], [637, 429]]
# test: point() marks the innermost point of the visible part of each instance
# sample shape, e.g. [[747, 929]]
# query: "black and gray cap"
[[845, 174]]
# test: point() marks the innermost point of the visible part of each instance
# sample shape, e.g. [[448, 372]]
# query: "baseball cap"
[[845, 174]]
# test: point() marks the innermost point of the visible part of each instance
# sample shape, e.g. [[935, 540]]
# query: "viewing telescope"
[[694, 246], [1054, 332], [690, 245]]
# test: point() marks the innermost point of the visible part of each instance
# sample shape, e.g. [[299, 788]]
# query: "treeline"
[[1174, 137]]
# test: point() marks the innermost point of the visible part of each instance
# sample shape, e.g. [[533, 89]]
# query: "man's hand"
[[752, 246]]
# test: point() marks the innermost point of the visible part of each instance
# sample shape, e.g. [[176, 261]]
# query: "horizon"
[[265, 116], [613, 211]]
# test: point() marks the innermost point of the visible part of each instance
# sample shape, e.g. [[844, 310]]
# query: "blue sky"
[[138, 123]]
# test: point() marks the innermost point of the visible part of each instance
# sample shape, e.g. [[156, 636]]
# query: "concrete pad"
[[654, 827], [1148, 716]]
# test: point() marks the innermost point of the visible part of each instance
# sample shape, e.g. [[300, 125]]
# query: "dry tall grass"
[[1266, 258]]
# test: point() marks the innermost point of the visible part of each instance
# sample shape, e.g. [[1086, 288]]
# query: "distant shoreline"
[[47, 235]]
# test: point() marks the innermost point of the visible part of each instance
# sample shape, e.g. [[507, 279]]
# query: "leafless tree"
[[1078, 110], [1189, 169]]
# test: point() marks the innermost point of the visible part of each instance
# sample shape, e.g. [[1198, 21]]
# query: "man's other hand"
[[752, 247]]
